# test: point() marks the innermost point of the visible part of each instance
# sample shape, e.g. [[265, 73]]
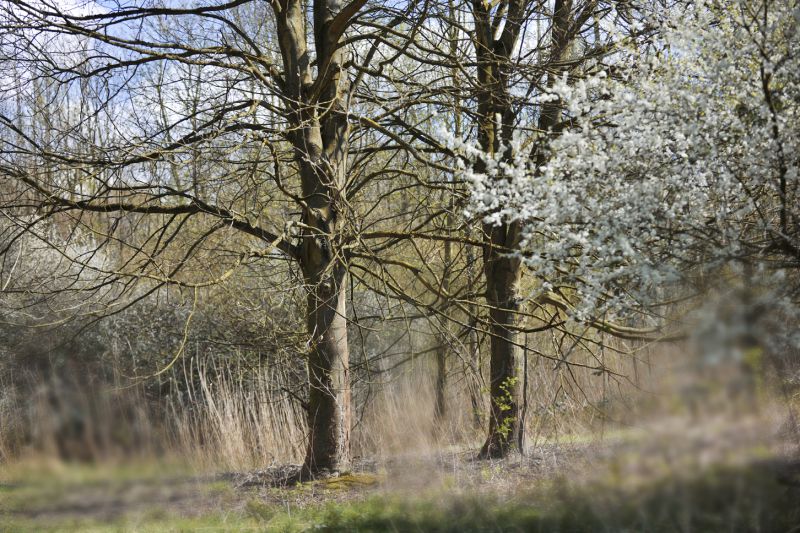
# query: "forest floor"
[[725, 474]]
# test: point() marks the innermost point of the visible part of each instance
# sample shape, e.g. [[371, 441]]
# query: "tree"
[[488, 67], [266, 133], [519, 48], [677, 174]]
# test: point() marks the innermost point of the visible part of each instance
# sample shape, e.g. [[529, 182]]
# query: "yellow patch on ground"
[[349, 481]]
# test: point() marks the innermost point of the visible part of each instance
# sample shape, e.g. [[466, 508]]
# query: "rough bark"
[[329, 411], [502, 276], [319, 133]]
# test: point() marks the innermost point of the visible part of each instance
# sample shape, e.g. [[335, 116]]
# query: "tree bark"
[[497, 120], [502, 277], [320, 157], [329, 410], [319, 132], [440, 385], [495, 128]]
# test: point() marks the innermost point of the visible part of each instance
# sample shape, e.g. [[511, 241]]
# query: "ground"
[[726, 475]]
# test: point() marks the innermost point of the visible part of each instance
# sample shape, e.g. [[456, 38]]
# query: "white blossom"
[[677, 167]]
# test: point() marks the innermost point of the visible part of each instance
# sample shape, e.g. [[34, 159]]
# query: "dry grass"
[[233, 421], [235, 418]]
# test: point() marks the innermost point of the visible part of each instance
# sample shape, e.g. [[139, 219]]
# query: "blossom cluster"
[[679, 169]]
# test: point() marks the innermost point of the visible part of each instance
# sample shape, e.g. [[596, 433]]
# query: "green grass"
[[748, 499], [744, 498], [144, 524]]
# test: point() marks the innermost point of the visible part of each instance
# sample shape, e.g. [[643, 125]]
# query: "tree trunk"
[[473, 343], [496, 123], [440, 384], [319, 132], [495, 128], [329, 411], [502, 275], [325, 273]]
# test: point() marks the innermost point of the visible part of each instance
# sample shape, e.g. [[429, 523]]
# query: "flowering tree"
[[677, 170]]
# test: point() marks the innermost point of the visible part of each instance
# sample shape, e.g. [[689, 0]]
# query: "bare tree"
[[256, 152]]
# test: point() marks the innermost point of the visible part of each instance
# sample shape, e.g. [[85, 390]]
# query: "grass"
[[721, 500], [125, 496], [744, 498], [724, 475]]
